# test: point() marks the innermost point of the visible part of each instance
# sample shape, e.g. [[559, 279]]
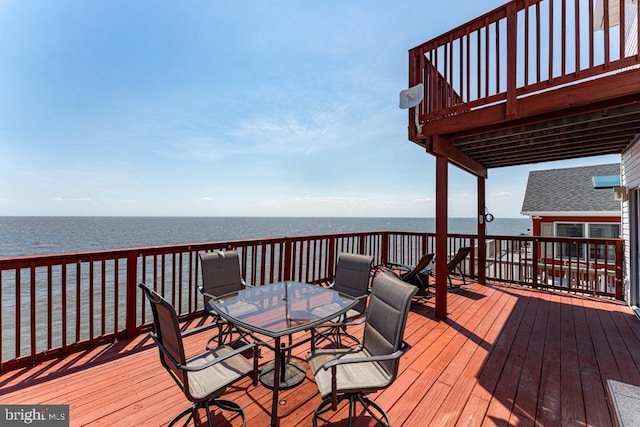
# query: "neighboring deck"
[[505, 355]]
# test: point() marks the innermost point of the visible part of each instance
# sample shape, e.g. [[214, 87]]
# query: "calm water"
[[53, 235], [48, 235]]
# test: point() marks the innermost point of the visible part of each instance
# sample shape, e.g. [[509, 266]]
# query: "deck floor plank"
[[526, 400], [593, 392], [506, 355], [548, 408], [501, 405], [572, 400]]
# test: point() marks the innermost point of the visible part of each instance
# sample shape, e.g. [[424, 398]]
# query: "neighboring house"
[[581, 202], [566, 203]]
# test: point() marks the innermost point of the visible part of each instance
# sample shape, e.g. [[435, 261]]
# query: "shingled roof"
[[569, 190]]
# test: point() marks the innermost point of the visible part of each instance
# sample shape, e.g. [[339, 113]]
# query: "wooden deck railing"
[[521, 48], [56, 304]]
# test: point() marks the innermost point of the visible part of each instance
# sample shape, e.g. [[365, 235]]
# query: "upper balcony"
[[531, 81]]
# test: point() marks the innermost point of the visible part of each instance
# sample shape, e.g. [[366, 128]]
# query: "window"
[[593, 231], [603, 231], [569, 250]]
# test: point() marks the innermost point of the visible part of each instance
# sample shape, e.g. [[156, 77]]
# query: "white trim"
[[572, 214], [586, 228]]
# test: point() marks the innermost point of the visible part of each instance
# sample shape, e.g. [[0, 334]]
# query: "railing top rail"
[[45, 259], [475, 24], [51, 259]]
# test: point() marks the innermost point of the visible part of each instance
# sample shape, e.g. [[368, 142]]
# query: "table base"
[[294, 374]]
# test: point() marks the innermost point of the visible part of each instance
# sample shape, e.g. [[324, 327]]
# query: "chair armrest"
[[208, 295], [384, 268], [198, 329], [206, 365], [359, 321], [245, 284], [218, 359], [333, 363], [397, 266]]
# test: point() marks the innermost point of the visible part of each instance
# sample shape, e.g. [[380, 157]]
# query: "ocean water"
[[23, 236]]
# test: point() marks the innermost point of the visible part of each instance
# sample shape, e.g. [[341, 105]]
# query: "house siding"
[[630, 177]]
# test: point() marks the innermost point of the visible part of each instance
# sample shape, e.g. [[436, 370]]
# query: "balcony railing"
[[521, 48], [57, 304]]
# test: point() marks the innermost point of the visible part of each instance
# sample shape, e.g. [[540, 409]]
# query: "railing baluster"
[[550, 77], [591, 34], [78, 317], [563, 40], [91, 300], [49, 307], [32, 307], [487, 62], [623, 32], [607, 41], [64, 305]]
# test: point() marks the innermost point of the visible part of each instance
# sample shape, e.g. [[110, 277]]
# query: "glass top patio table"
[[277, 310], [281, 308]]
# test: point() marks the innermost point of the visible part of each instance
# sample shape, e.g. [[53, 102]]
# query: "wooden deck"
[[505, 356]]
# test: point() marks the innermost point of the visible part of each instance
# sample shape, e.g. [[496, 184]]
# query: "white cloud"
[[76, 199], [503, 195]]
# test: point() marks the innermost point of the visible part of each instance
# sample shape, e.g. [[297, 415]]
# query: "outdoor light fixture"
[[410, 98], [620, 194]]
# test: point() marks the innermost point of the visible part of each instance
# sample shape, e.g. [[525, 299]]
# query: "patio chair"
[[352, 277], [203, 377], [353, 373], [221, 275], [454, 264], [417, 275]]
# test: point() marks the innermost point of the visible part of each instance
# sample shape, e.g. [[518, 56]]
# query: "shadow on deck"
[[506, 355]]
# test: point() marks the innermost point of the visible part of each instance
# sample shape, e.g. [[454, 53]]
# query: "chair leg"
[[230, 405], [325, 406], [368, 405], [227, 405], [191, 410]]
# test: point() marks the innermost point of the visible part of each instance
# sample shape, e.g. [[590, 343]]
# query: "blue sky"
[[211, 108]]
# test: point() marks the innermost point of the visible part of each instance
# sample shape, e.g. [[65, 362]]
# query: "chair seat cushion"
[[212, 380], [367, 376]]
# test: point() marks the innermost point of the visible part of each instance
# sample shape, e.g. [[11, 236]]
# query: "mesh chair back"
[[220, 273], [422, 264], [389, 305], [458, 258], [352, 276], [167, 329]]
